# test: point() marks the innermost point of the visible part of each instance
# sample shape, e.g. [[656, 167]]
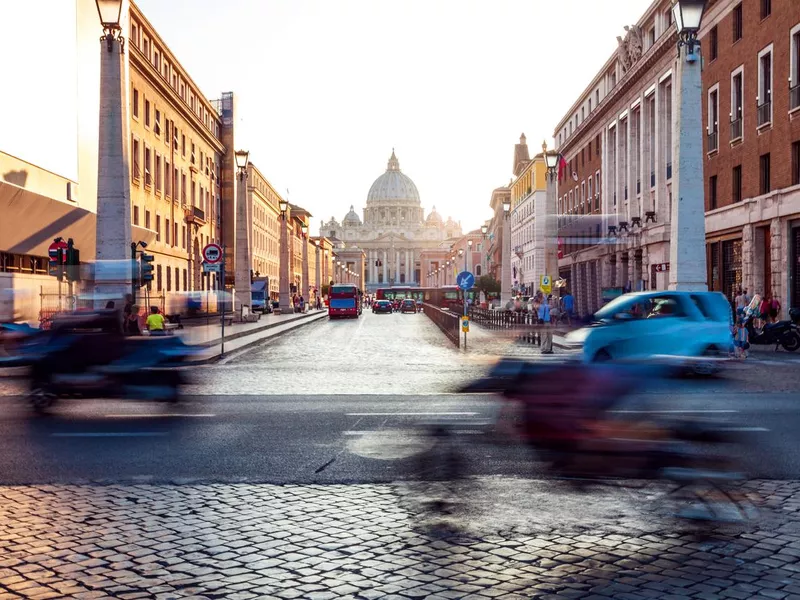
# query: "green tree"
[[488, 284]]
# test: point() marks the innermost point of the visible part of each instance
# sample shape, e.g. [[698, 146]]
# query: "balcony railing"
[[794, 97], [669, 170], [736, 130], [764, 113], [195, 214], [713, 141]]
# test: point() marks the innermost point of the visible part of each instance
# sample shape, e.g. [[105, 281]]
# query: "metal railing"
[[445, 320], [794, 97], [713, 141], [736, 130], [764, 113]]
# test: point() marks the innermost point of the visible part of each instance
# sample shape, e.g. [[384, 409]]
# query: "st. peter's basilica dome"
[[393, 187], [351, 218]]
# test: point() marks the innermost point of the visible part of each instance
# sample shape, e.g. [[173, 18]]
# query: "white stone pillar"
[[505, 267], [385, 267], [284, 300], [243, 262], [318, 274], [687, 248], [113, 225], [396, 265]]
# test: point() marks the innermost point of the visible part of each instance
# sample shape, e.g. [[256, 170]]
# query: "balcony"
[[764, 113], [713, 141], [736, 130], [195, 215], [794, 97]]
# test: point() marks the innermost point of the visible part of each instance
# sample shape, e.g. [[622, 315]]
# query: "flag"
[[562, 166]]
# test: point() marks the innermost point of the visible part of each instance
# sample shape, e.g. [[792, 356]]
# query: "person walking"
[[740, 302], [131, 325], [774, 309], [741, 339], [544, 323], [568, 302]]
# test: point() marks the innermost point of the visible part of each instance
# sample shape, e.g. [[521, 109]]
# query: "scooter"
[[782, 333]]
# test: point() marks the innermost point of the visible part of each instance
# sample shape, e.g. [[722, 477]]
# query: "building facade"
[[265, 234], [615, 184], [176, 153], [394, 231], [751, 49]]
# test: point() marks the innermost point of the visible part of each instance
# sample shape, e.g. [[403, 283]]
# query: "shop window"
[[764, 174], [736, 184]]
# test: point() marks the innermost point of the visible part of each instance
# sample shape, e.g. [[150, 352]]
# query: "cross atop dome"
[[394, 164]]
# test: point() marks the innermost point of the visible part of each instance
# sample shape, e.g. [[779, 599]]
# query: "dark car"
[[408, 306], [382, 306]]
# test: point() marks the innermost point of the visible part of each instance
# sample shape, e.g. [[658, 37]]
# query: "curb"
[[241, 334], [304, 320]]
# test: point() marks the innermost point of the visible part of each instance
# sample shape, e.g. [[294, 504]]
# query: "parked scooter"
[[782, 333]]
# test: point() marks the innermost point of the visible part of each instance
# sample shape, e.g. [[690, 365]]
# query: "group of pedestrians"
[[762, 310], [133, 323], [548, 311]]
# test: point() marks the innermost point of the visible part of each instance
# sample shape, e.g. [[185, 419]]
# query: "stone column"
[[243, 262], [305, 289], [284, 300], [687, 248], [752, 261], [113, 225], [318, 274], [385, 266], [396, 265], [505, 267], [779, 255]]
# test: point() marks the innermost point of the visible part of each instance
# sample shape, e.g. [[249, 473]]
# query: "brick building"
[[615, 190], [751, 53]]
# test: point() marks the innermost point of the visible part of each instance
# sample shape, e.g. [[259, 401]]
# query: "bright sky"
[[327, 88]]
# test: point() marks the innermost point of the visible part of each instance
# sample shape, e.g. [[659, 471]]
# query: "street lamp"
[[484, 230], [242, 256], [241, 157], [110, 12], [688, 17], [305, 291], [687, 248]]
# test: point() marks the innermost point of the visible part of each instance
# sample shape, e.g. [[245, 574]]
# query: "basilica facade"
[[394, 232]]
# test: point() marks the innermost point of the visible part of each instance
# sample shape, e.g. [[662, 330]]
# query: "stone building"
[[176, 156], [265, 236], [751, 49], [394, 231], [615, 186]]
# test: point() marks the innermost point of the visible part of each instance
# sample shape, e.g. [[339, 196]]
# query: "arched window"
[[477, 270]]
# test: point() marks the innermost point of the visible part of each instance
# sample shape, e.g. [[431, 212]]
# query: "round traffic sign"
[[212, 253], [465, 280]]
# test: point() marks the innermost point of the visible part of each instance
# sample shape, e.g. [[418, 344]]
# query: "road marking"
[[160, 415], [662, 412], [111, 434], [414, 414]]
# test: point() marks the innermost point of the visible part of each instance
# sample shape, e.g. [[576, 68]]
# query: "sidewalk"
[[505, 538], [241, 335]]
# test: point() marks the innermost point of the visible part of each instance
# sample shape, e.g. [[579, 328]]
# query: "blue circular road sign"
[[465, 280]]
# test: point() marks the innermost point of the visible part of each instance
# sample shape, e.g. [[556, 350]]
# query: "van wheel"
[[707, 369], [602, 356]]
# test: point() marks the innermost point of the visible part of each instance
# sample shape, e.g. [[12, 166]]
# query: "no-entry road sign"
[[212, 254]]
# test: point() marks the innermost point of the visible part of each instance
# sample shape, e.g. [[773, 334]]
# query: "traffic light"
[[73, 262], [145, 268], [56, 262]]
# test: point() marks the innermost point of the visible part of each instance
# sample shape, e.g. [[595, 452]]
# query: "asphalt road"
[[341, 402]]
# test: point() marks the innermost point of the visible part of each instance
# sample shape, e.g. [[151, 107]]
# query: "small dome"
[[352, 217], [434, 218]]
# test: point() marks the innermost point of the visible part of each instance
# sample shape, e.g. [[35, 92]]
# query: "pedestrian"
[[555, 310], [302, 303], [131, 324], [740, 301], [319, 302], [544, 323], [741, 339], [568, 303], [763, 310], [746, 297], [155, 322], [774, 309]]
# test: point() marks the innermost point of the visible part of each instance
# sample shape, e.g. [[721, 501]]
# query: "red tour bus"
[[344, 301]]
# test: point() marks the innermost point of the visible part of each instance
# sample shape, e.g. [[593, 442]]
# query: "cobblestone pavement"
[[516, 539]]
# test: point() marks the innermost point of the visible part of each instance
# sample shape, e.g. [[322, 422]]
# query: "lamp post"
[[468, 261], [242, 241], [687, 246], [305, 290], [113, 228], [284, 299], [505, 273], [545, 251]]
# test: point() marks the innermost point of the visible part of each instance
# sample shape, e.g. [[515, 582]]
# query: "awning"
[[30, 221]]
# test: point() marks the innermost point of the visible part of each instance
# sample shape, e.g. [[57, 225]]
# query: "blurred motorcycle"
[[85, 355]]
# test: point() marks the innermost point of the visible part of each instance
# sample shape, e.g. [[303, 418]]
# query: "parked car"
[[408, 305], [382, 306], [692, 329]]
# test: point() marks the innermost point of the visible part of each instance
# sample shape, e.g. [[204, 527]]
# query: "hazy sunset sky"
[[327, 88]]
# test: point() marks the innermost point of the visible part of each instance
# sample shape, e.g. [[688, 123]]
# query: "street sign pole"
[[221, 301]]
